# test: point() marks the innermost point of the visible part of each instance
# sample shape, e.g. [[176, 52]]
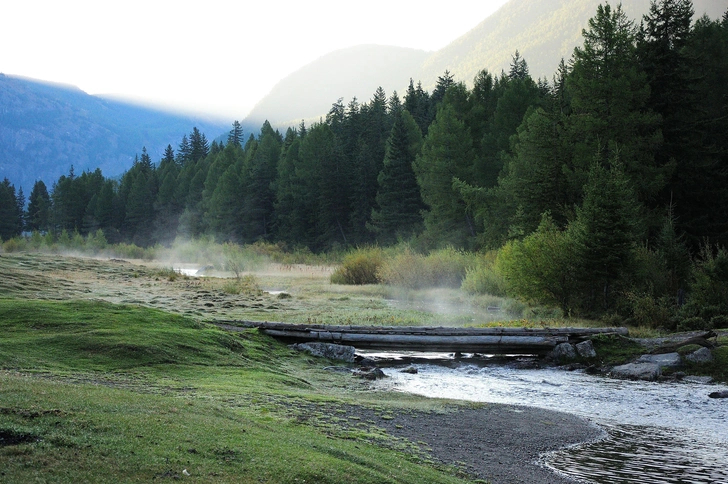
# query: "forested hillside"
[[543, 31], [611, 177], [46, 128]]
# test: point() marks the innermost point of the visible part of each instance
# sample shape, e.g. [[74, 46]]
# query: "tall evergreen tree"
[[446, 155], [399, 203], [39, 205], [609, 93], [10, 217], [604, 234], [236, 134]]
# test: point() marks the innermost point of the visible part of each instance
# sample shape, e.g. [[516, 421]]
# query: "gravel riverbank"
[[500, 444]]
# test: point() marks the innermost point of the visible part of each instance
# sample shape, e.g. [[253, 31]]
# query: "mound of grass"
[[96, 335], [97, 392]]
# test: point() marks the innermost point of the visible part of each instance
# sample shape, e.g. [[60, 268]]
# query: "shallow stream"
[[667, 432]]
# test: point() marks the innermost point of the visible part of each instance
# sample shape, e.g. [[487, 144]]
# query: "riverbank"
[[500, 444]]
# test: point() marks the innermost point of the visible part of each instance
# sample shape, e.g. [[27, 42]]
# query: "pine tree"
[[257, 216], [446, 155], [39, 205], [609, 93], [199, 147], [10, 216], [519, 68], [532, 181], [399, 203], [236, 134], [604, 234]]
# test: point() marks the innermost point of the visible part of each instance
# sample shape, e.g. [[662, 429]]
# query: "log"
[[430, 330], [701, 340], [428, 338]]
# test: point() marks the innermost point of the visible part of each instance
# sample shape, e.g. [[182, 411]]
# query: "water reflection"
[[638, 454]]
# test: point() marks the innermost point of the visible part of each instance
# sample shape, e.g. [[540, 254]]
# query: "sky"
[[217, 57]]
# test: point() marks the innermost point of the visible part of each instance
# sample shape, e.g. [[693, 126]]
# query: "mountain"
[[46, 128], [309, 92], [543, 31]]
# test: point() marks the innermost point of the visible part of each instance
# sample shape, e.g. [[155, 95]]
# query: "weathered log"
[[701, 340], [428, 338], [430, 330]]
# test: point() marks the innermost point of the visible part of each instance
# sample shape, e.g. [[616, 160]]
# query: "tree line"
[[624, 150]]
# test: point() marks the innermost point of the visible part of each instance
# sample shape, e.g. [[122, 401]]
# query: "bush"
[[359, 267], [441, 268], [719, 322], [694, 324], [649, 311], [483, 278], [16, 244]]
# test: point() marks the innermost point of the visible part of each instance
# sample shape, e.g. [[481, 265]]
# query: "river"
[[655, 432]]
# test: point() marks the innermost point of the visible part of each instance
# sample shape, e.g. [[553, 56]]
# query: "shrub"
[[359, 267], [16, 244], [540, 267], [483, 278], [719, 322], [441, 268], [244, 285], [693, 324], [649, 311]]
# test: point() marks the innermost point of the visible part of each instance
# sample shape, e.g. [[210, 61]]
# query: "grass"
[[98, 392]]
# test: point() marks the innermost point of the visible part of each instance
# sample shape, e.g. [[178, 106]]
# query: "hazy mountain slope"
[[45, 128], [543, 31], [354, 72]]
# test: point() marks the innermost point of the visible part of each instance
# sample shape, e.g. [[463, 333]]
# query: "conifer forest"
[[601, 190]]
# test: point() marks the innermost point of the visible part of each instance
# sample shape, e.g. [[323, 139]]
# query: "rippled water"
[[656, 432]]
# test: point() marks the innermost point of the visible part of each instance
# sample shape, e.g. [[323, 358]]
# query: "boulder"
[[327, 350], [723, 394], [586, 349], [666, 360], [410, 369], [563, 352], [700, 356], [637, 371], [369, 373]]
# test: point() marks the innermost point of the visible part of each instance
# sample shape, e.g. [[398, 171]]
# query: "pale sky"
[[215, 56]]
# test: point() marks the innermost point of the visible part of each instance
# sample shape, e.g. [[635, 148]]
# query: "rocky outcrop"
[[327, 350]]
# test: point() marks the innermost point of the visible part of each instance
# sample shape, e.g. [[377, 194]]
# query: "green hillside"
[[542, 31]]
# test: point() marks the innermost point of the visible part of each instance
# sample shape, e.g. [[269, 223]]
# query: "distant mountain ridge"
[[46, 128], [352, 72], [543, 31]]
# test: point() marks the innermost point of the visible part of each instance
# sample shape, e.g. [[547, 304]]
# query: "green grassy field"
[[97, 392]]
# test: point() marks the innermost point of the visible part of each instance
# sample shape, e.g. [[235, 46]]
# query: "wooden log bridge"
[[496, 341]]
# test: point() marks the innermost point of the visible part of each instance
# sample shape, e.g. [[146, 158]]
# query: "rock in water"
[[563, 352], [586, 349], [637, 371], [327, 350], [723, 394]]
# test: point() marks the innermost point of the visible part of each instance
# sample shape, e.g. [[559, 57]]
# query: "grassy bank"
[[98, 392]]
